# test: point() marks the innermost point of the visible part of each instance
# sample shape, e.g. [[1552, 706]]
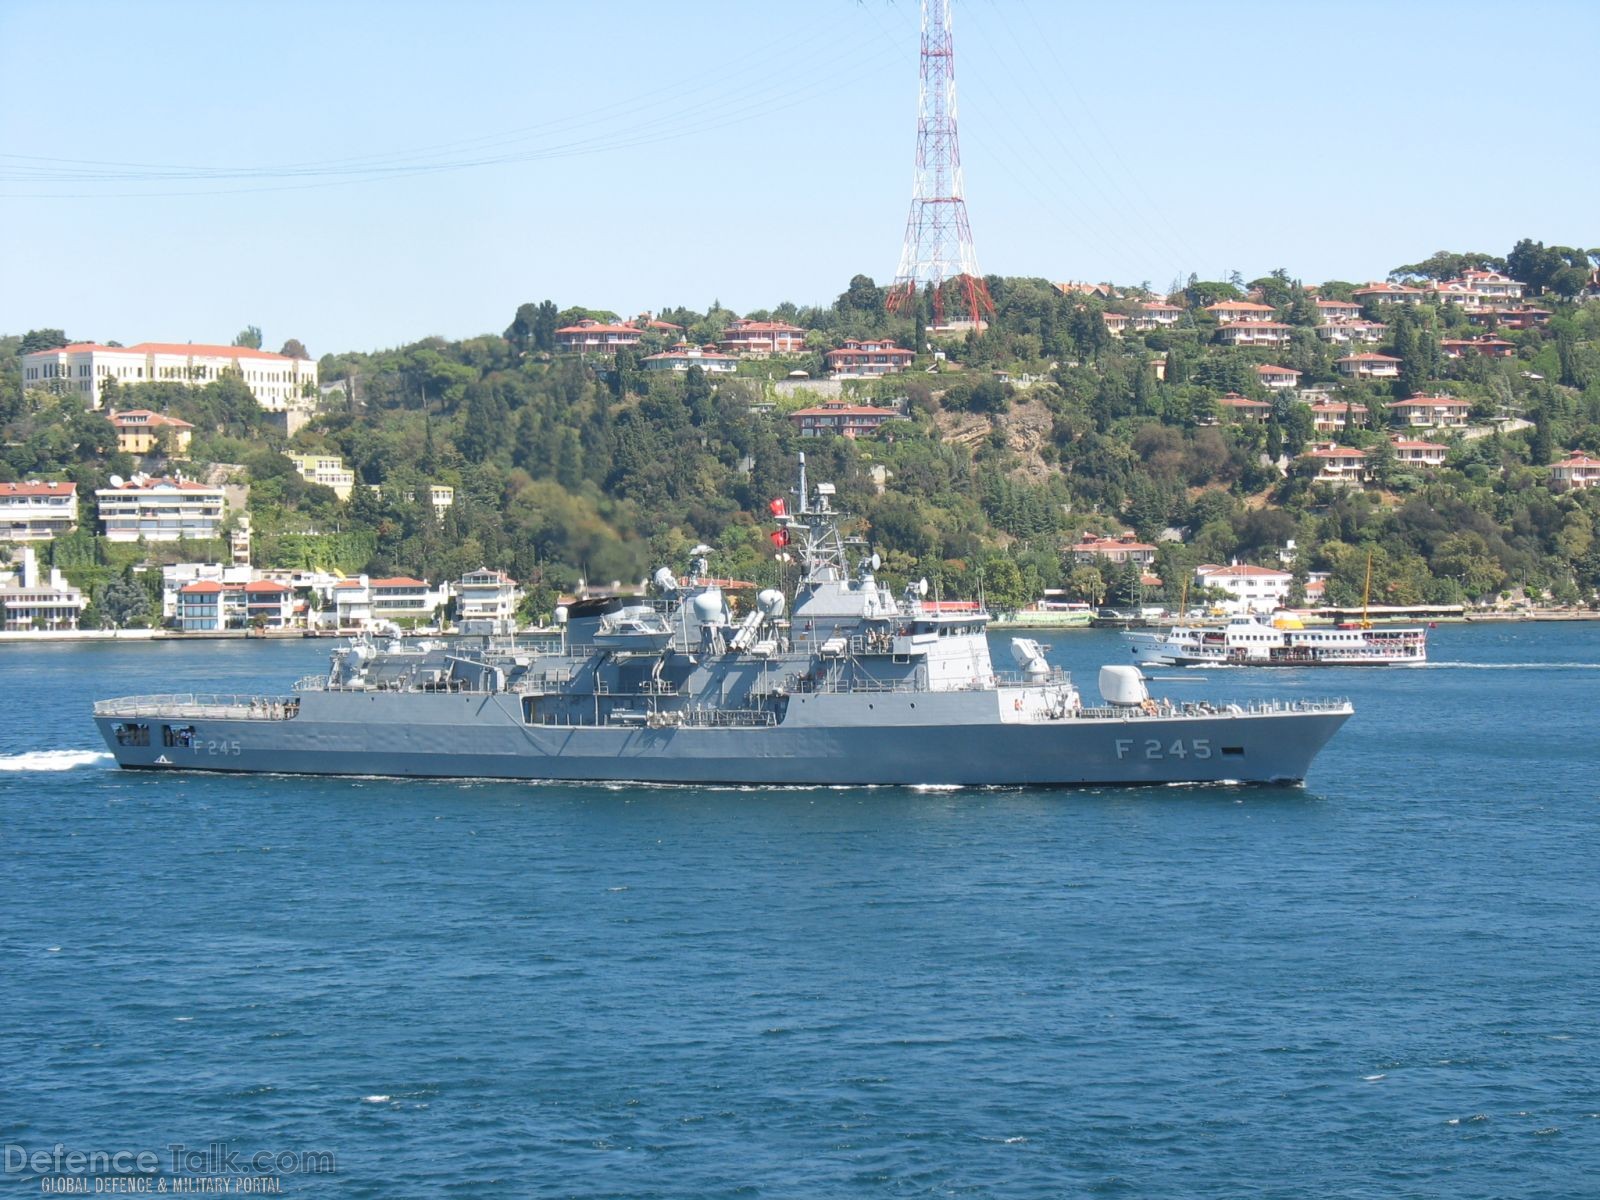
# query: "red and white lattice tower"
[[938, 244]]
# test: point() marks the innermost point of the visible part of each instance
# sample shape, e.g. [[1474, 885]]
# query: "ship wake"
[[53, 760]]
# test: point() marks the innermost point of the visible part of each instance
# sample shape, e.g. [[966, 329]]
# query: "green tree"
[[122, 603], [42, 339], [1085, 583], [248, 337]]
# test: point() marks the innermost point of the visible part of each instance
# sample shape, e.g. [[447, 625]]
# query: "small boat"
[[638, 629]]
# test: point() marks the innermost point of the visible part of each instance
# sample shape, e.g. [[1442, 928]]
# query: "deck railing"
[[182, 706]]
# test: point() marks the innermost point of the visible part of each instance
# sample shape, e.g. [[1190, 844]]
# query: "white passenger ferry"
[[1284, 641]]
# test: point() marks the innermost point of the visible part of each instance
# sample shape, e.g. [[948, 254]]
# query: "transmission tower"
[[938, 243]]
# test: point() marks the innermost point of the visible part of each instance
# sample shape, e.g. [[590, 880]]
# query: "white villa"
[[278, 383], [159, 510], [37, 512]]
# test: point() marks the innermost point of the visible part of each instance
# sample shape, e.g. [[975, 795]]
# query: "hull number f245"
[[1154, 748]]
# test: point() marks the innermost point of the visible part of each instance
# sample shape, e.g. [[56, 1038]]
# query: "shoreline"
[[28, 637]]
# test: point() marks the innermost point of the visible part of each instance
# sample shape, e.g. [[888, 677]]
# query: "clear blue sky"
[[359, 175]]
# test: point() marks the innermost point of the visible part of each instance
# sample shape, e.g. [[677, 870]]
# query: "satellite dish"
[[116, 481], [922, 586], [876, 560]]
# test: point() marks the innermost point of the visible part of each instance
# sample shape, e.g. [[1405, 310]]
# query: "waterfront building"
[[37, 511], [30, 599], [1250, 589], [363, 602], [159, 510], [1093, 548], [486, 602]]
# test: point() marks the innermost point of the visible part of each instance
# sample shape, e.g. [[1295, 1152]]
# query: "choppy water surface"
[[1382, 984]]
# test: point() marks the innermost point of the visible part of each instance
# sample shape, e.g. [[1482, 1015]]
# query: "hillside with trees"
[[1011, 442]]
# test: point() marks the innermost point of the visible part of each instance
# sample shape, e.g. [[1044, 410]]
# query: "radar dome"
[[770, 602], [708, 606], [561, 614]]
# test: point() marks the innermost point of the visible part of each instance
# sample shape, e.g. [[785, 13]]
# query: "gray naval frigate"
[[852, 685]]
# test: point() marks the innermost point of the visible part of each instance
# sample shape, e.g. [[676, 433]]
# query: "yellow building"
[[139, 431], [328, 470]]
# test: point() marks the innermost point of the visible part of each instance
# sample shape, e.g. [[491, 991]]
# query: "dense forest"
[[1012, 442]]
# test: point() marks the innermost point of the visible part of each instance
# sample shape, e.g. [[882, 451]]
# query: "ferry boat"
[[1284, 641], [852, 685]]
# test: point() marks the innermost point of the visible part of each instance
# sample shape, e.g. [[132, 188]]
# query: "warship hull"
[[950, 739]]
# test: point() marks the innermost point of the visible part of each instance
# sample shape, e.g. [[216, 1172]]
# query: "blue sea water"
[[1381, 984]]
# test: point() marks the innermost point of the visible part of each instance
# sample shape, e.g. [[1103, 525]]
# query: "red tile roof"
[[145, 416], [591, 326], [761, 327], [198, 350], [37, 489], [149, 485], [848, 410], [1244, 570], [200, 587]]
